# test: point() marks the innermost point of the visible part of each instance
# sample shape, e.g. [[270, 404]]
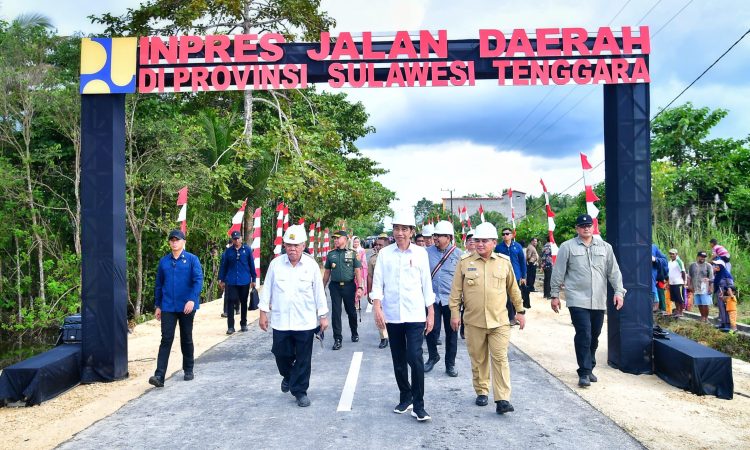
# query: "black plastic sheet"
[[42, 377], [688, 365]]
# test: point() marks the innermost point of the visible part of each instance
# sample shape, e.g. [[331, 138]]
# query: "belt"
[[344, 283]]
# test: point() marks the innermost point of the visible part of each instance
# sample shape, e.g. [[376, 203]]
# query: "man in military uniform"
[[380, 242], [342, 265], [483, 282]]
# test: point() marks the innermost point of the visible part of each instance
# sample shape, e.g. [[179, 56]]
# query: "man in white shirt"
[[294, 296], [403, 303], [677, 278]]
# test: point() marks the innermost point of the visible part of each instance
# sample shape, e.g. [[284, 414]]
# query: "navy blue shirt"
[[178, 281], [517, 257], [237, 266]]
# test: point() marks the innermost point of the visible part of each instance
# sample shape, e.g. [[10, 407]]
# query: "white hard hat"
[[428, 230], [404, 218], [295, 235], [485, 230], [443, 227]]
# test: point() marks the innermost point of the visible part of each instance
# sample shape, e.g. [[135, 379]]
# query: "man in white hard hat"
[[427, 232], [294, 296], [484, 280], [444, 257], [403, 303]]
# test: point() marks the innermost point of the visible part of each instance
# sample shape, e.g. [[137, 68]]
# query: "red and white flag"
[[182, 195], [238, 218], [512, 212], [326, 243], [279, 230], [311, 240], [255, 245], [481, 213], [550, 223], [591, 197], [286, 217]]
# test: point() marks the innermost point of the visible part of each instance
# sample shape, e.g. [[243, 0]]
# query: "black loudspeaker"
[[71, 331]]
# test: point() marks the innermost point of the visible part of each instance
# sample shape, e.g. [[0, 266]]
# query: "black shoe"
[[156, 381], [439, 342], [223, 314], [583, 381], [482, 400], [243, 328], [403, 407], [303, 400], [355, 338], [383, 343], [503, 406], [336, 344], [230, 331], [430, 364], [188, 376], [592, 378], [451, 371], [462, 335], [284, 385], [420, 414]]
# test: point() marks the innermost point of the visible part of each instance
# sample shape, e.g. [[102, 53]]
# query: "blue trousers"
[[588, 325], [406, 349]]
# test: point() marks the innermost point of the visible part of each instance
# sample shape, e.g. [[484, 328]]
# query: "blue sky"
[[475, 139]]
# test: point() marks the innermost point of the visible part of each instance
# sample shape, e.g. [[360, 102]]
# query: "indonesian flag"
[[311, 243], [279, 229], [550, 223], [255, 246], [326, 244], [237, 219], [463, 216], [512, 212], [301, 221], [182, 195], [286, 217], [591, 197], [481, 213]]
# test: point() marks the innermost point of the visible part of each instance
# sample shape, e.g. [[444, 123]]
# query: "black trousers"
[[530, 277], [451, 337], [293, 352], [588, 326], [343, 294], [510, 307], [169, 321], [406, 348], [236, 295], [547, 282]]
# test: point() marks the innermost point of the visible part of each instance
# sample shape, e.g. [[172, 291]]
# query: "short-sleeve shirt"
[[676, 268], [341, 263]]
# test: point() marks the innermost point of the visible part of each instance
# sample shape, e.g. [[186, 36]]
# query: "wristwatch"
[[521, 312]]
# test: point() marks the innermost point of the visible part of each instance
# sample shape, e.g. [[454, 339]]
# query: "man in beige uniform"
[[484, 280]]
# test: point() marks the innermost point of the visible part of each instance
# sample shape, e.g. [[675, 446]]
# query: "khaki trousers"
[[489, 348]]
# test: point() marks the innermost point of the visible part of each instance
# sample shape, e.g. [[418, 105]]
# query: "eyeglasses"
[[507, 233]]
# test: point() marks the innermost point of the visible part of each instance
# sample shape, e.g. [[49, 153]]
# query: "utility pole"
[[451, 190]]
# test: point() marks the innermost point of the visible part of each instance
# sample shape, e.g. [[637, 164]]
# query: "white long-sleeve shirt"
[[403, 284], [294, 295]]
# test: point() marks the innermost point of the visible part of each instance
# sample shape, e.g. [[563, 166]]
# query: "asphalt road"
[[235, 400]]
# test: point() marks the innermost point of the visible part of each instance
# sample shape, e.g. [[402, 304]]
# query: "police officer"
[[179, 280], [237, 277], [341, 266], [484, 281]]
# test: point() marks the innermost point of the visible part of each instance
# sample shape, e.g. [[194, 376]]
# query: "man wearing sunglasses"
[[237, 277], [584, 266], [179, 281]]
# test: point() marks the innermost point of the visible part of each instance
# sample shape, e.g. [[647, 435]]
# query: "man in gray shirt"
[[583, 267]]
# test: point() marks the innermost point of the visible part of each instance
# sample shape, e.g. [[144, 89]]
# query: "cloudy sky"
[[487, 138]]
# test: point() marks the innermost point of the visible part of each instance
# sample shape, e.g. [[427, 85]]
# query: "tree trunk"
[[18, 277], [35, 227], [138, 310], [77, 192]]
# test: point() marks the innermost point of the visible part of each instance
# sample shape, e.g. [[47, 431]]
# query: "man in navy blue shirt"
[[179, 281], [236, 277], [516, 253]]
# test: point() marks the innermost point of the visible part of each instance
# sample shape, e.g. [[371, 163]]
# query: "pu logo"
[[108, 65]]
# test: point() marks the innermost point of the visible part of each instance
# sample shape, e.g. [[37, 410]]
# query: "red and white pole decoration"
[[182, 195], [238, 218], [481, 213], [591, 197], [279, 230], [286, 217], [512, 212], [255, 245], [319, 232], [550, 223], [311, 241], [301, 221], [326, 243], [463, 216]]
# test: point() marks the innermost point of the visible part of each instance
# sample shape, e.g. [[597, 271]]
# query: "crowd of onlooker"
[[704, 283]]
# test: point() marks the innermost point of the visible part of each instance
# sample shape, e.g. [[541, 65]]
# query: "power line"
[[649, 12], [671, 19], [701, 75], [618, 12]]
